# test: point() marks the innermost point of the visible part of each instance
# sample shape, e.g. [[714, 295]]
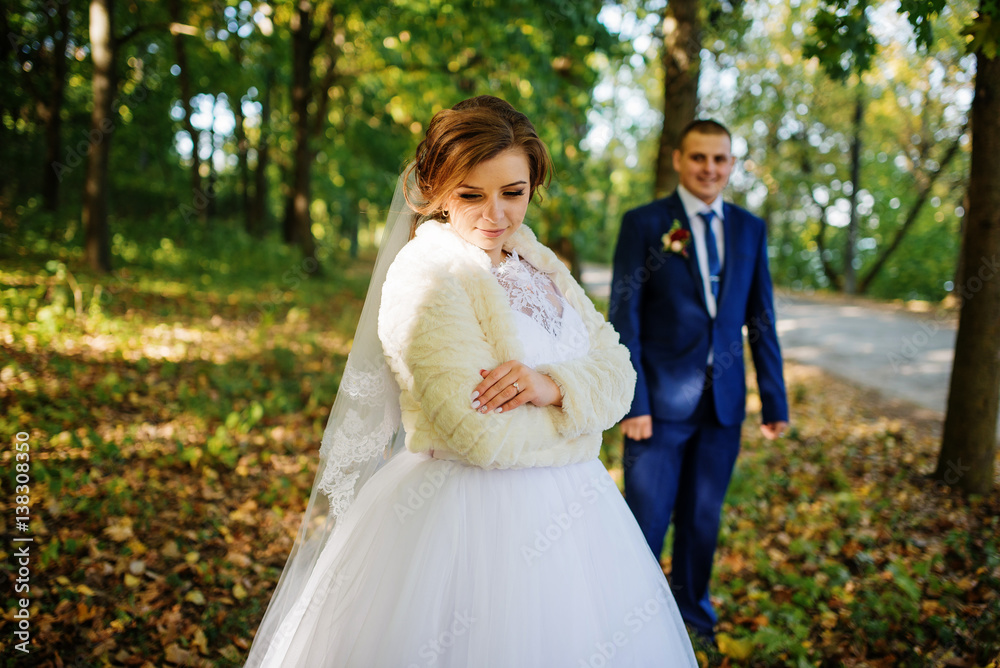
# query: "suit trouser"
[[683, 471]]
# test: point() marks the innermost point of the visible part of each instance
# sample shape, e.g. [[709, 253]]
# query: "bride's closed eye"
[[475, 196]]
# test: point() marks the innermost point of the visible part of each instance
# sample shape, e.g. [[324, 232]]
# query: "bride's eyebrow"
[[509, 185]]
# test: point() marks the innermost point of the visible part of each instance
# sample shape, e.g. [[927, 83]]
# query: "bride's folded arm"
[[597, 388], [436, 346]]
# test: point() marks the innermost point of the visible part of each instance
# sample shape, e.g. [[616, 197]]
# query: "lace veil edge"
[[362, 433]]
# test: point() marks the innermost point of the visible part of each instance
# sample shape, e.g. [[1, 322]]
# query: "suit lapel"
[[675, 211]]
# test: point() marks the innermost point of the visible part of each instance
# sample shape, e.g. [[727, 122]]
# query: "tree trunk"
[[850, 281], [960, 263], [97, 244], [681, 69], [968, 447], [53, 121], [259, 206], [236, 102], [298, 227], [243, 166], [212, 175], [184, 83]]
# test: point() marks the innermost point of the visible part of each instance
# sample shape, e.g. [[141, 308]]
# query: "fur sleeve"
[[597, 388], [436, 346]]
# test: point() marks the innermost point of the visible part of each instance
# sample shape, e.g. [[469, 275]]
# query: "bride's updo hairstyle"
[[460, 138]]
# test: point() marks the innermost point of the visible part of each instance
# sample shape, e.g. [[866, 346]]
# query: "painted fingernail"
[[474, 395], [483, 409], [499, 409], [475, 404]]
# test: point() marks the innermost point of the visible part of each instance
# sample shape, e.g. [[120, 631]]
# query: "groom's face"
[[704, 163]]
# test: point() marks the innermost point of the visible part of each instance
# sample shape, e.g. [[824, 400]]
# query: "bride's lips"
[[492, 234]]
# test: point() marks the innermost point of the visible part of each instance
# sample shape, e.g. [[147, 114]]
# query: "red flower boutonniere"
[[677, 240]]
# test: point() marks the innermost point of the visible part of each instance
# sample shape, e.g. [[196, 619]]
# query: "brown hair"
[[702, 126], [460, 138]]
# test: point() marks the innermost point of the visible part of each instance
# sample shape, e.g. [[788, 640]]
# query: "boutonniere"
[[677, 240]]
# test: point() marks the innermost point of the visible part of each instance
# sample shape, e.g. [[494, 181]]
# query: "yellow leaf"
[[176, 654], [170, 550], [131, 580], [192, 557], [120, 529], [137, 547], [200, 641], [63, 580], [195, 596], [239, 592], [739, 649], [85, 590]]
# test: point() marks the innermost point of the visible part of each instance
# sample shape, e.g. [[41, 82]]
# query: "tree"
[[179, 30], [681, 59], [968, 448], [799, 128], [308, 43], [97, 244], [41, 51]]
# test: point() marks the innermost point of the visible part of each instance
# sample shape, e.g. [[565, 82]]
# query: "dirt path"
[[901, 354]]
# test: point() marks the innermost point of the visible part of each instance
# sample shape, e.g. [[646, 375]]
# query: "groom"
[[690, 271]]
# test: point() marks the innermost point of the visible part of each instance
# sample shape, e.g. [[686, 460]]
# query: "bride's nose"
[[493, 210]]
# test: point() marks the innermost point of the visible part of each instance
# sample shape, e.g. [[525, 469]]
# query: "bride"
[[460, 515]]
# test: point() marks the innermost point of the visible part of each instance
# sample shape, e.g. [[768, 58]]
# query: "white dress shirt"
[[692, 207]]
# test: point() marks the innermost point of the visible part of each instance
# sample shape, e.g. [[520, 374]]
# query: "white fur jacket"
[[444, 317]]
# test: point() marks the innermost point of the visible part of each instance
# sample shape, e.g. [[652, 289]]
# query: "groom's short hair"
[[704, 126]]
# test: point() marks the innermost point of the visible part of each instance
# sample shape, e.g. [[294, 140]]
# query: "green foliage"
[[841, 39], [798, 128], [921, 14], [394, 65]]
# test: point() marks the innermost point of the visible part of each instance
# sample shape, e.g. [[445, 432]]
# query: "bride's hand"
[[513, 384]]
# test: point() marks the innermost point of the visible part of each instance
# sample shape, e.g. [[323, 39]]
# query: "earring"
[[444, 214]]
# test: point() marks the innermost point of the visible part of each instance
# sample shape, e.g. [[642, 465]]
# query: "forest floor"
[[174, 410]]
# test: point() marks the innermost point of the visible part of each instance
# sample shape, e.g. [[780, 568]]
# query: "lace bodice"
[[549, 328]]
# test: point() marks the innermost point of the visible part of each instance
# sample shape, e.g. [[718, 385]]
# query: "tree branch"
[[828, 269], [923, 194]]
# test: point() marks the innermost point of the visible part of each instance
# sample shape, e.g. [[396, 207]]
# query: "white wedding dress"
[[442, 564]]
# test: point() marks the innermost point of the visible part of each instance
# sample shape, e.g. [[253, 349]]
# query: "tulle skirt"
[[442, 564]]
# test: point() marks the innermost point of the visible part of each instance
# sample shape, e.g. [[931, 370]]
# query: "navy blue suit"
[[659, 308]]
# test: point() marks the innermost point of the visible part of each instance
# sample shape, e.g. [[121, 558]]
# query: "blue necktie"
[[714, 267]]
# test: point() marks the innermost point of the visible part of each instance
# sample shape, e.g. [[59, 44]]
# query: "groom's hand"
[[638, 428], [773, 430]]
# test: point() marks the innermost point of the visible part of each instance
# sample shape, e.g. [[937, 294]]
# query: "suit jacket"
[[658, 307]]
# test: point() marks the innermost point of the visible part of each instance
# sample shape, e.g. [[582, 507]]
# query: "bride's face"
[[490, 203]]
